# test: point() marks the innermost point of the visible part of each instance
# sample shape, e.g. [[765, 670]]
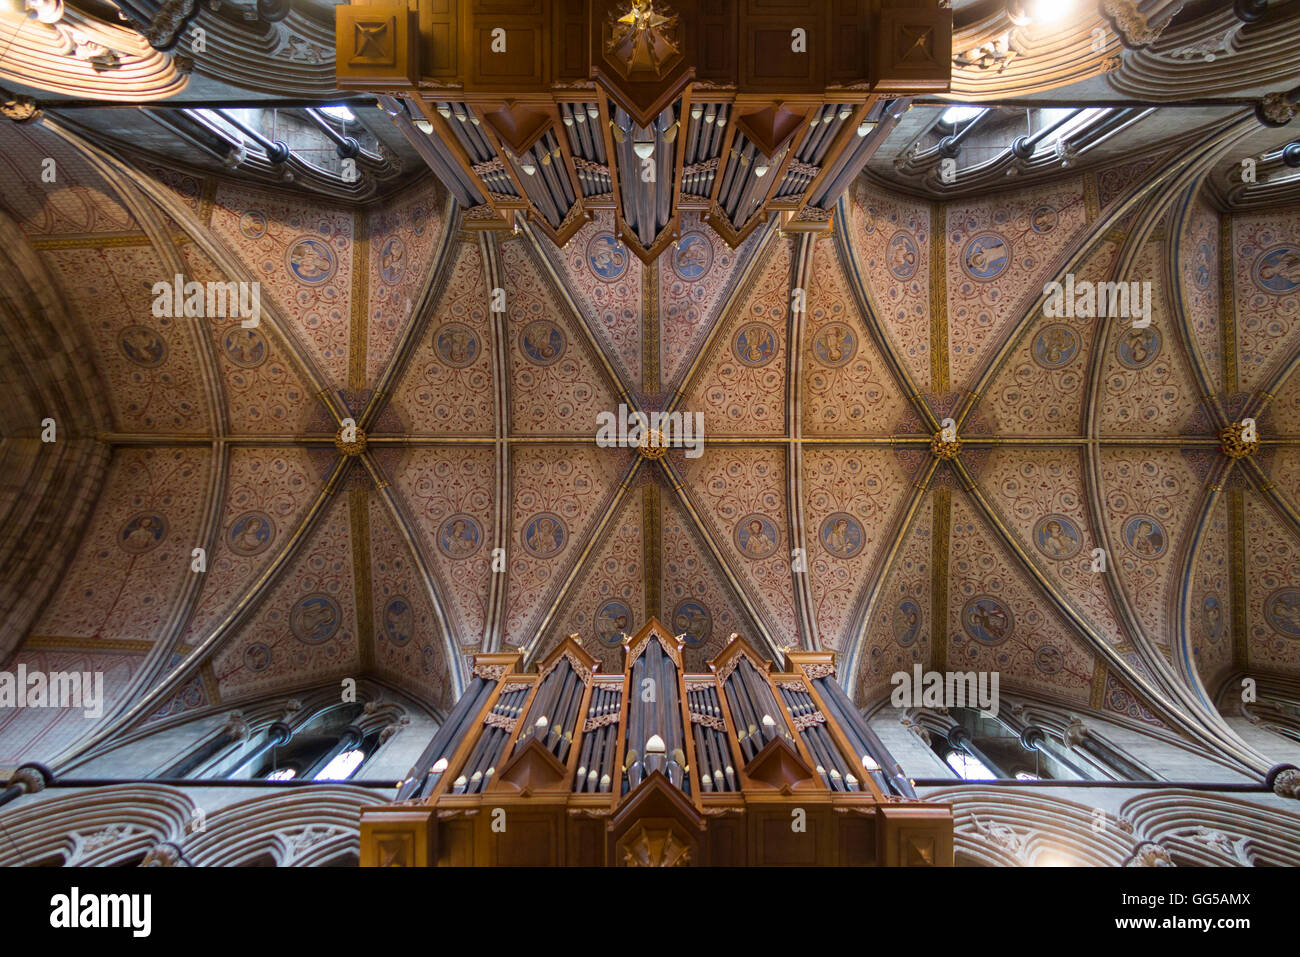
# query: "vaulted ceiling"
[[822, 513]]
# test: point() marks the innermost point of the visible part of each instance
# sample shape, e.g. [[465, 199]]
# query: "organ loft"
[[742, 765]]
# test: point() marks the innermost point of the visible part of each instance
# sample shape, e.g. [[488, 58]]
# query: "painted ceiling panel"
[[263, 382], [696, 598], [556, 384], [741, 495], [268, 492], [449, 493], [1040, 494], [558, 494], [998, 621], [301, 251], [1210, 615], [891, 241], [1272, 589], [1150, 498], [134, 561], [407, 645], [607, 600], [1000, 253], [1284, 471], [1282, 415], [402, 243], [740, 385], [1266, 272], [1147, 387], [1200, 269], [150, 364], [853, 499], [847, 387], [1041, 388], [607, 283], [305, 629], [696, 279], [900, 630], [447, 387]]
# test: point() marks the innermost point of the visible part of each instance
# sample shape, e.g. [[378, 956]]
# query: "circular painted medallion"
[[257, 657], [1056, 346], [244, 347], [692, 619], [456, 345], [835, 345], [1277, 270], [1138, 348], [1043, 219], [399, 623], [460, 536], [251, 533], [1145, 537], [841, 535], [987, 620], [903, 255], [253, 224], [986, 256], [542, 342], [756, 536], [754, 345], [142, 533], [544, 535], [907, 622], [1283, 611], [692, 257], [1048, 659], [612, 622], [311, 261], [607, 257], [315, 619], [392, 260], [1057, 537], [142, 346]]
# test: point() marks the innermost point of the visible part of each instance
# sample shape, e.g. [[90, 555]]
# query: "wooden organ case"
[[551, 111], [656, 767]]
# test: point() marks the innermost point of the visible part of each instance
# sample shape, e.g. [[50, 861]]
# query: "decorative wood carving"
[[375, 47]]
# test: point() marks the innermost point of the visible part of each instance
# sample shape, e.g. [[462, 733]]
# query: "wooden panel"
[[912, 51], [530, 839], [456, 843], [525, 63], [570, 40], [856, 836], [716, 44], [768, 61], [586, 842], [439, 39], [776, 844], [850, 41], [375, 47], [726, 842]]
